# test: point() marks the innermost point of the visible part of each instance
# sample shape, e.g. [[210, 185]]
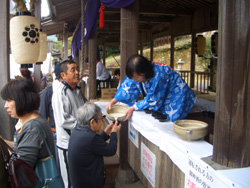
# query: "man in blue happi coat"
[[163, 89]]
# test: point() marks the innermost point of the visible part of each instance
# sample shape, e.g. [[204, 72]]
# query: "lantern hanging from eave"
[[214, 43], [200, 45], [24, 38], [43, 48]]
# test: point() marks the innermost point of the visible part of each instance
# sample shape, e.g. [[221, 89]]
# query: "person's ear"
[[62, 74], [92, 124], [91, 121]]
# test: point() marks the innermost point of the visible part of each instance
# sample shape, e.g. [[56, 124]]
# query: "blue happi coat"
[[166, 92]]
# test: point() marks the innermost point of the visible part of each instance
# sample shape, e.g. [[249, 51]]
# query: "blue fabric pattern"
[[166, 92]]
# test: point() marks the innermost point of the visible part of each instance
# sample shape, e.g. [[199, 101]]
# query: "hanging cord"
[[83, 7]]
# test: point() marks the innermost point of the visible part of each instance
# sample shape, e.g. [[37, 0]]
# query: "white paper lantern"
[[43, 47], [214, 43], [24, 39], [200, 45]]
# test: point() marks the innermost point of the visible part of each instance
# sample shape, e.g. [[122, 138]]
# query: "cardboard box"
[[108, 93]]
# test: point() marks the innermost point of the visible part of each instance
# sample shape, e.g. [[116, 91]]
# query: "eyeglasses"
[[103, 116]]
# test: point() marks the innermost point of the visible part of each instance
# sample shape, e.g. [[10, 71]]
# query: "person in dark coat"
[[87, 148]]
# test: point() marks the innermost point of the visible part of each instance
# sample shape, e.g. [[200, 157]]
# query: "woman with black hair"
[[162, 89], [21, 102]]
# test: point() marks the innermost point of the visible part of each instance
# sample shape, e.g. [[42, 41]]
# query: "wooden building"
[[142, 22]]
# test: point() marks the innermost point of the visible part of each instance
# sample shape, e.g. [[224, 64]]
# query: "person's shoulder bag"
[[4, 158], [19, 173], [47, 171]]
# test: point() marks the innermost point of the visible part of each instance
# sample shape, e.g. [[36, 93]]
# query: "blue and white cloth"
[[166, 92]]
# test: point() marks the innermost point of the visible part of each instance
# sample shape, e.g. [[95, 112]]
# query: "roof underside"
[[154, 16]]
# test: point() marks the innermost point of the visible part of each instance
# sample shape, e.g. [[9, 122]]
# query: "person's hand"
[[116, 127], [129, 112], [112, 102], [108, 128], [113, 127]]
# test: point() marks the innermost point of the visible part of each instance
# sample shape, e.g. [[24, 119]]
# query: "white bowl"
[[190, 129], [116, 113]]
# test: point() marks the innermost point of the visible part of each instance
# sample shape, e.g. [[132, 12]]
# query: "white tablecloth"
[[162, 135]]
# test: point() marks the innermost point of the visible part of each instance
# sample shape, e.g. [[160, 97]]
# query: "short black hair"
[[64, 65], [24, 93], [139, 64]]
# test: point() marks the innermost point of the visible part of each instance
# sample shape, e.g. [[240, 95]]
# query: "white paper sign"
[[133, 135], [201, 175], [148, 164]]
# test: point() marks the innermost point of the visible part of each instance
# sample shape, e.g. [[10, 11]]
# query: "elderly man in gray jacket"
[[66, 99]]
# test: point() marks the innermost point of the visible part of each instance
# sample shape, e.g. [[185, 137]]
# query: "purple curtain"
[[76, 42], [117, 3], [91, 15]]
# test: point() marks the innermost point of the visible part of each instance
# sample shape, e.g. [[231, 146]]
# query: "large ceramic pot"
[[24, 38], [190, 129]]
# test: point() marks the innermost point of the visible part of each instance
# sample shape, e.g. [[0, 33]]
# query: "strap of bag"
[[47, 146], [9, 148], [5, 157]]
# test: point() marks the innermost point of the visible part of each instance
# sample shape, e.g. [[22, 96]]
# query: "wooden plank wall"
[[205, 19], [167, 173], [181, 26]]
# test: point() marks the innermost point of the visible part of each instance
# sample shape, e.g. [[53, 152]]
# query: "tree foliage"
[[110, 51]]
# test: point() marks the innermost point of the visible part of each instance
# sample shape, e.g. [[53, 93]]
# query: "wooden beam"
[[152, 8], [142, 19]]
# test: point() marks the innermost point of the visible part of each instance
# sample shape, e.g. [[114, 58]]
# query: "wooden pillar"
[[129, 33], [232, 114], [37, 67], [151, 50], [65, 44], [6, 130], [192, 64], [141, 45], [104, 51], [129, 46], [92, 44], [151, 46], [172, 52]]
